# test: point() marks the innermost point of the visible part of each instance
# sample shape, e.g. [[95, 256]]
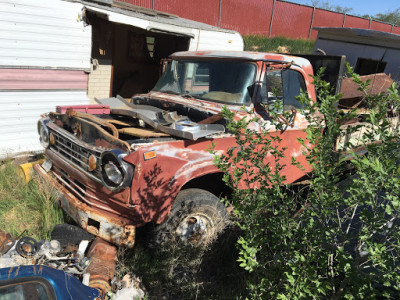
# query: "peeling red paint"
[[156, 182]]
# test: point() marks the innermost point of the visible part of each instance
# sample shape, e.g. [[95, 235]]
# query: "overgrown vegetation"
[[176, 271], [278, 44], [329, 239], [27, 206]]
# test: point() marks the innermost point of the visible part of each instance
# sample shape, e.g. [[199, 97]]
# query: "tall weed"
[[30, 207]]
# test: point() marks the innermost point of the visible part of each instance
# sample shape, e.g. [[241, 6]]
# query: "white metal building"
[[55, 52]]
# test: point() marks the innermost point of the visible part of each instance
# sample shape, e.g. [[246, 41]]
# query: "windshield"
[[220, 81]]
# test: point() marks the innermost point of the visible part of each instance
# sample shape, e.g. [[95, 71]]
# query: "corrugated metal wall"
[[247, 17], [20, 111], [354, 22], [254, 16], [44, 51], [141, 3], [43, 33], [206, 11], [291, 20], [324, 18], [380, 26]]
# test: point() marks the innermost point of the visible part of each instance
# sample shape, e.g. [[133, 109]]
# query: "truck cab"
[[146, 160]]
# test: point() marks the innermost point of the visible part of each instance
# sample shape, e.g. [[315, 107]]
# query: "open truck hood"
[[162, 120]]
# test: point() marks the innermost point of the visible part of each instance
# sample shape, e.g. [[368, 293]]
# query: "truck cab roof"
[[241, 55]]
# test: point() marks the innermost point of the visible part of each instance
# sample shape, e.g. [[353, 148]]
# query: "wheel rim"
[[195, 229]]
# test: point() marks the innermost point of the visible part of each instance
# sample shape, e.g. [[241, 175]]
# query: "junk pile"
[[73, 251], [354, 98]]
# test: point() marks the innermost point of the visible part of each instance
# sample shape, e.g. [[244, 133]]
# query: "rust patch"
[[102, 267], [353, 98]]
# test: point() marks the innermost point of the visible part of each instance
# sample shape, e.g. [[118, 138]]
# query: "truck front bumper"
[[108, 228]]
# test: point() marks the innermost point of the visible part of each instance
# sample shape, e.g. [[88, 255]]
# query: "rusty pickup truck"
[[146, 159]]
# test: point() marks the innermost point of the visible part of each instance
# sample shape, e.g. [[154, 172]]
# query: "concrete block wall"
[[99, 81]]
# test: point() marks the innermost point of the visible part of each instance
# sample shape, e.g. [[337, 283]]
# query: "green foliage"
[[338, 237], [277, 44], [326, 5], [28, 206], [391, 17]]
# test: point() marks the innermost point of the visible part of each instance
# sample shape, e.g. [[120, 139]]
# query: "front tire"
[[197, 217]]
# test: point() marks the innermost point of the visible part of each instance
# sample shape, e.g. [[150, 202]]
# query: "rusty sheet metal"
[[353, 98], [141, 132], [102, 265], [112, 229], [247, 55], [163, 121], [90, 117], [88, 191], [87, 131], [157, 181]]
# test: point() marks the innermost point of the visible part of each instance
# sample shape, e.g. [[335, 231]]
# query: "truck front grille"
[[76, 154]]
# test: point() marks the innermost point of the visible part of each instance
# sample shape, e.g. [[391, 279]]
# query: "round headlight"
[[43, 134], [112, 171]]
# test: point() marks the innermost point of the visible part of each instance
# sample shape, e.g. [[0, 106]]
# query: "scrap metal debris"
[[353, 97], [164, 121], [94, 267]]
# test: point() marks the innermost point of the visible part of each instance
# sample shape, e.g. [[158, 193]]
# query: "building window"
[[366, 66]]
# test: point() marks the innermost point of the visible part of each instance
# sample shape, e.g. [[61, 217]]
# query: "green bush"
[[337, 237]]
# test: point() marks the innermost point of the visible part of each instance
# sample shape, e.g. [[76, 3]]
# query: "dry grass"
[[178, 271], [27, 206]]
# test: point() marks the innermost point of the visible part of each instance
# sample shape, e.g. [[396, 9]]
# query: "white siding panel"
[[20, 111], [216, 40], [43, 34]]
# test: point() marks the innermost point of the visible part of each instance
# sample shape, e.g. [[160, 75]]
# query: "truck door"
[[278, 94]]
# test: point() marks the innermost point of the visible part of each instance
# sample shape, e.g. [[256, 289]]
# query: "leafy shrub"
[[336, 237]]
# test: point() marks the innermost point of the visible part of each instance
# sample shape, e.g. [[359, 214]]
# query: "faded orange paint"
[[156, 181]]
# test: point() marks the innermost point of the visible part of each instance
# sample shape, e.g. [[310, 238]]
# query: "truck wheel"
[[196, 218]]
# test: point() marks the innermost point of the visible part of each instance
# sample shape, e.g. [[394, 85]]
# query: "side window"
[[202, 75], [283, 85], [293, 84], [25, 290]]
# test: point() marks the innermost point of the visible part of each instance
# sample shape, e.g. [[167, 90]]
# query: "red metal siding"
[[205, 11], [380, 26], [247, 16], [141, 3], [254, 16], [324, 18], [354, 22], [34, 79], [396, 30], [291, 20]]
